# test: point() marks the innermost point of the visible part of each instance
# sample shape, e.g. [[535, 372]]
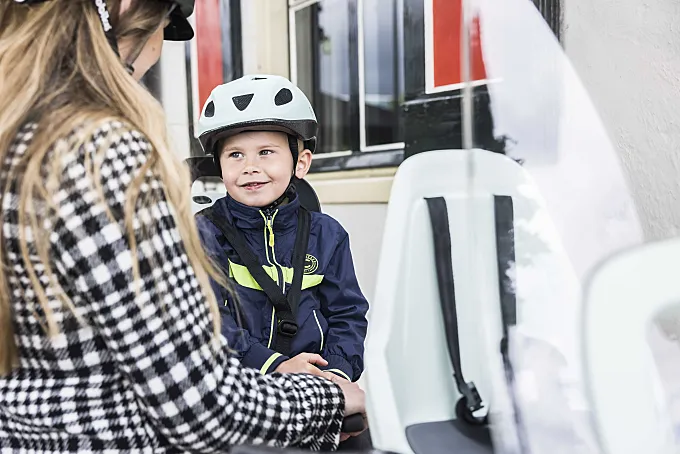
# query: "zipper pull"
[[271, 232]]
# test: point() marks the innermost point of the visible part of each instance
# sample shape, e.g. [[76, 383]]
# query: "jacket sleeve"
[[156, 325], [247, 349], [345, 307]]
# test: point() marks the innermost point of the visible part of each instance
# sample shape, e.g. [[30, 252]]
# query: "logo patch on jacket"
[[311, 264]]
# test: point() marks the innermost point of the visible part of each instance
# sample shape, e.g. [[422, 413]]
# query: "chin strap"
[[290, 191], [293, 145], [288, 194]]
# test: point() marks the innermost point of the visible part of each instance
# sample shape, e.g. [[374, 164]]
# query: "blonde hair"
[[58, 69]]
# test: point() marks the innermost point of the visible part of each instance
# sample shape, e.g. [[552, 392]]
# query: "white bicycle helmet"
[[257, 102]]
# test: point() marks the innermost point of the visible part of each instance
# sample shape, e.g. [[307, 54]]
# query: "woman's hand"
[[355, 401]]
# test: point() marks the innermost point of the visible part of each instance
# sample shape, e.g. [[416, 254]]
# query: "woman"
[[108, 328]]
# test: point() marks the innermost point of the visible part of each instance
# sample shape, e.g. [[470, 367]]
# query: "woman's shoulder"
[[110, 147], [101, 161], [110, 136]]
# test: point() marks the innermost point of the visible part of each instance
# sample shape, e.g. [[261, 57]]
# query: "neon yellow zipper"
[[269, 240]]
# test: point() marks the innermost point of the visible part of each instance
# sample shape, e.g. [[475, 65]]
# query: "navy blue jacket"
[[332, 310]]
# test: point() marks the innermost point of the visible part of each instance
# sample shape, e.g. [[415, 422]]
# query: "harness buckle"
[[287, 328]]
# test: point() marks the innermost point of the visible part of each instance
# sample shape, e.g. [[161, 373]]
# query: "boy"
[[261, 131]]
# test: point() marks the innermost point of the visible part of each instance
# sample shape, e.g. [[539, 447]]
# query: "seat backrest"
[[632, 409], [410, 379], [204, 167]]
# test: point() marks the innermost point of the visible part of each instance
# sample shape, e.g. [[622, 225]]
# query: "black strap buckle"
[[473, 400], [287, 328]]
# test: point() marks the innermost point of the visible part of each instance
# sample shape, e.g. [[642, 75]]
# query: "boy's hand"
[[304, 363]]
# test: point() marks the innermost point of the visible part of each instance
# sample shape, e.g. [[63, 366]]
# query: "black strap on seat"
[[504, 214], [286, 305], [439, 218]]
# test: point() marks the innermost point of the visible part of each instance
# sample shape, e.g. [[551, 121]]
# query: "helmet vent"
[[210, 109], [259, 78], [284, 96], [242, 102]]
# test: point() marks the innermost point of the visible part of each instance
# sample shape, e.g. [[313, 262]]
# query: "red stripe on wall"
[[477, 68], [209, 45], [446, 26], [447, 35]]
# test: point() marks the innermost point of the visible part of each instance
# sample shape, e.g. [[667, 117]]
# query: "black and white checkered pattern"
[[140, 375]]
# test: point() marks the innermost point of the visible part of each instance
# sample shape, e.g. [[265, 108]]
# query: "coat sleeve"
[[345, 307], [158, 328]]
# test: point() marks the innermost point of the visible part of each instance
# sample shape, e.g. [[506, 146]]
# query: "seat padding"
[[449, 437]]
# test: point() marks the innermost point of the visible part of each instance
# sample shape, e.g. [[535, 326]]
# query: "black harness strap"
[[286, 306], [439, 218]]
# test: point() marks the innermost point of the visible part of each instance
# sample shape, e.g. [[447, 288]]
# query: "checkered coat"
[[140, 374]]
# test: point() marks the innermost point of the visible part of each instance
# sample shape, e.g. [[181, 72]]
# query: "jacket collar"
[[247, 217]]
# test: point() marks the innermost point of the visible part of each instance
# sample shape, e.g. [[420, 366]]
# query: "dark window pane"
[[383, 69], [322, 48]]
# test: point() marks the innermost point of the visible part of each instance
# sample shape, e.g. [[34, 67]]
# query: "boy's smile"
[[254, 185]]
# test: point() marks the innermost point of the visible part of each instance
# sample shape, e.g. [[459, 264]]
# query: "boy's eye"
[[235, 154], [265, 152]]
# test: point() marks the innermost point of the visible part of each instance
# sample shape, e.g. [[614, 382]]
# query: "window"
[[383, 81], [347, 57], [323, 60]]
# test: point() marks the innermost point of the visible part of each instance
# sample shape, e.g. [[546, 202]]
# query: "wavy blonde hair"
[[58, 70]]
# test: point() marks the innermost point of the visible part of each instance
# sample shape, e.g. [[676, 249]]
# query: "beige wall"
[[356, 186], [358, 200], [265, 46]]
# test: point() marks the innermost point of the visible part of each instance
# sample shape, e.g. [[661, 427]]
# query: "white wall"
[[174, 96], [627, 53], [365, 224]]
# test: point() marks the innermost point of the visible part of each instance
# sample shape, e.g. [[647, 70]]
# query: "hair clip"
[[104, 17]]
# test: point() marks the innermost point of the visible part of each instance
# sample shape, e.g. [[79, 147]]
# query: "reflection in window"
[[383, 69], [322, 48]]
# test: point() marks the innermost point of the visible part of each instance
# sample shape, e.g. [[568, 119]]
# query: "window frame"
[[389, 154], [364, 147]]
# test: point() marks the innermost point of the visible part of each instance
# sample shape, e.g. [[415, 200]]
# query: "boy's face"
[[257, 166]]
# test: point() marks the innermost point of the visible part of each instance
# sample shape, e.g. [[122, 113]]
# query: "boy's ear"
[[303, 164]]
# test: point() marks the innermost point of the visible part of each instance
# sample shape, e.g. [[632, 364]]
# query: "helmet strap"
[[290, 191], [288, 194], [293, 145]]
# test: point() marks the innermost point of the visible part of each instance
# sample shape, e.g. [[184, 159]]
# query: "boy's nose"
[[250, 169]]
